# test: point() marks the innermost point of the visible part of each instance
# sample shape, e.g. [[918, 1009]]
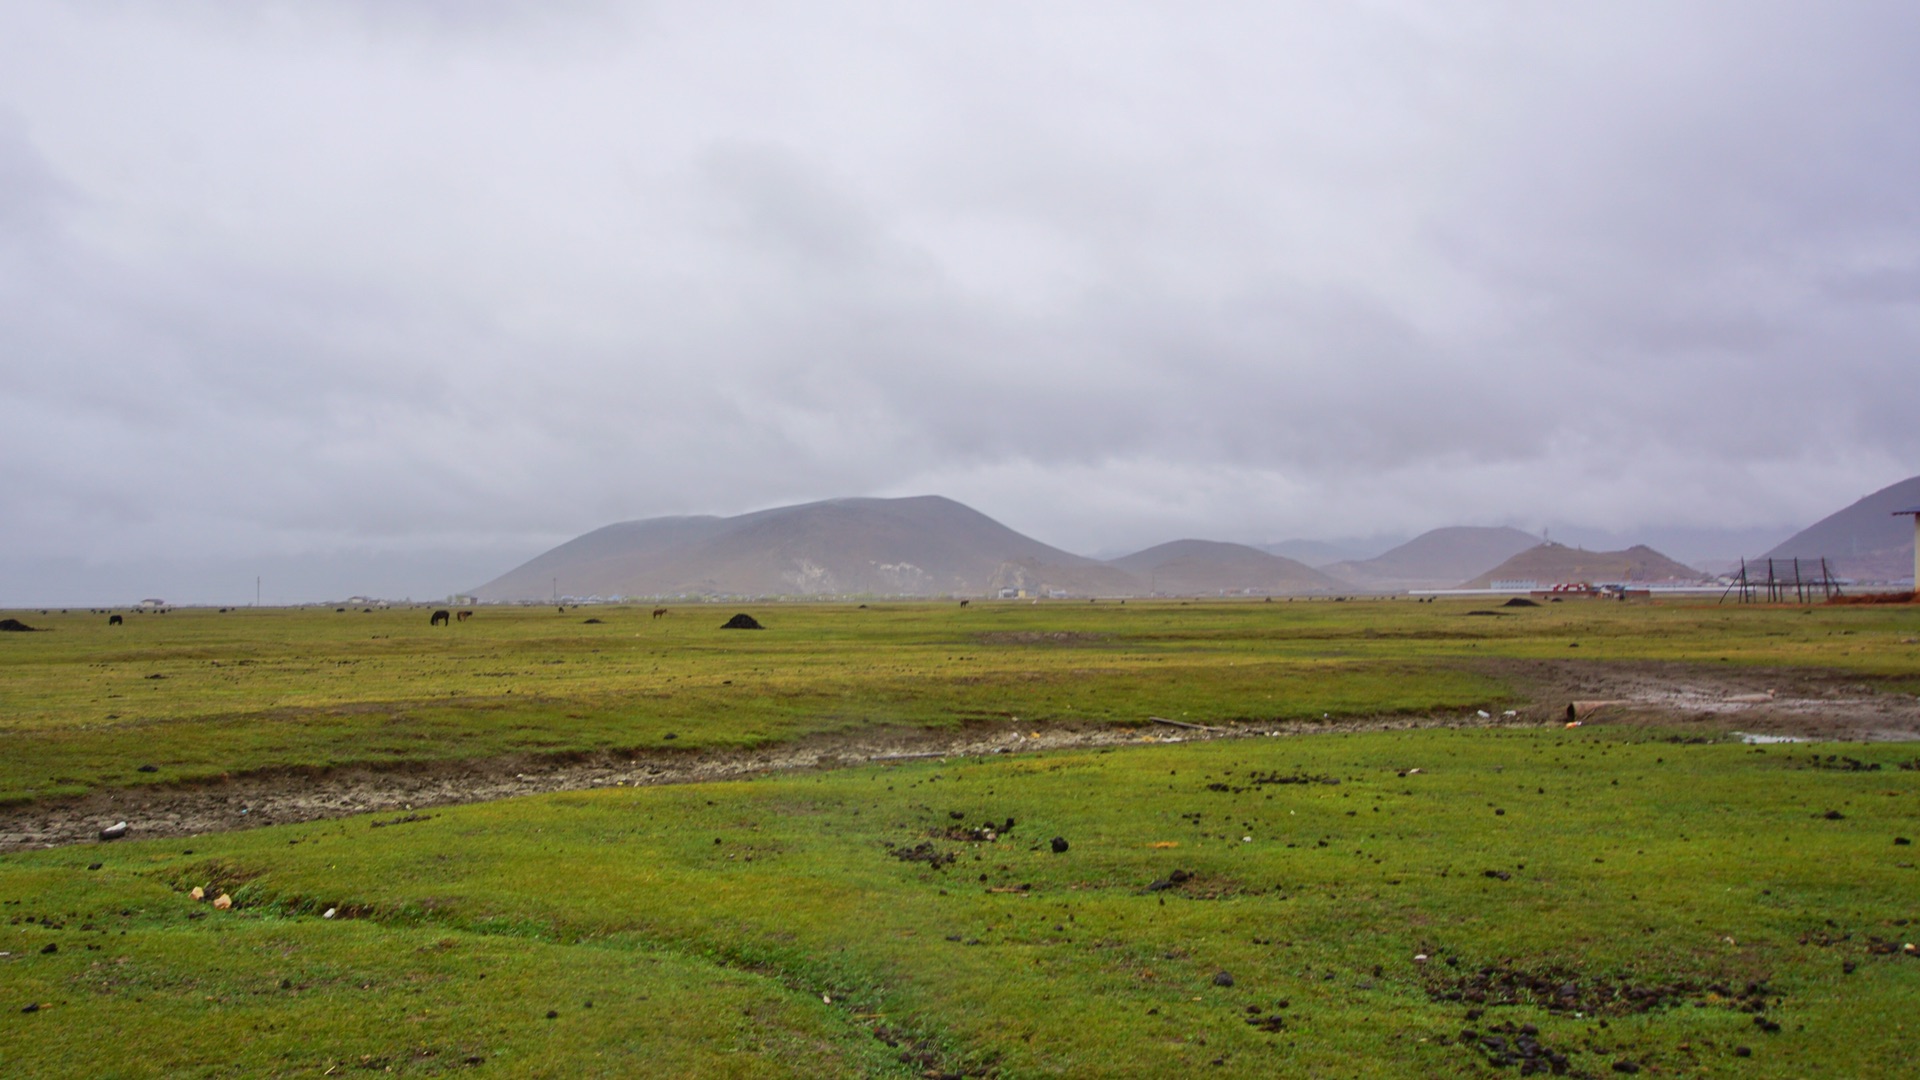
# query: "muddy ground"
[[1793, 703]]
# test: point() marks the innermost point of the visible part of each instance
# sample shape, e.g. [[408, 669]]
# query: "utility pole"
[[256, 590]]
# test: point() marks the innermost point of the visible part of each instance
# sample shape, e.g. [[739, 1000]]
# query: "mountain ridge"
[[1553, 564]]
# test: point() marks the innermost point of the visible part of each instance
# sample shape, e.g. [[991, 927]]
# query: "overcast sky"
[[391, 295]]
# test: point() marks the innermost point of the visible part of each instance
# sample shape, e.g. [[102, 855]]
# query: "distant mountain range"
[[1865, 541], [933, 546], [924, 546]]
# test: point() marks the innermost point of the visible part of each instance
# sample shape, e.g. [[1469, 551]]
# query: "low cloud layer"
[[389, 296]]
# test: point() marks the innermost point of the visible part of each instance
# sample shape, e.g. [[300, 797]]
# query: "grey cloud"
[[401, 278]]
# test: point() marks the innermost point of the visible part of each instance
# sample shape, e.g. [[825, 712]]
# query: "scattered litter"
[[1751, 739], [223, 901], [329, 913], [197, 893]]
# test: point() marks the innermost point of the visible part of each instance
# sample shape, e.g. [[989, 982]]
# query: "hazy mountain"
[[1864, 541], [1436, 559], [1555, 564], [1317, 553], [1206, 567], [922, 546]]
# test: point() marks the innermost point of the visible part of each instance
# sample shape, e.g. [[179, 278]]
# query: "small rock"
[[1743, 1051], [223, 901], [93, 866], [50, 949], [1221, 978], [114, 831], [329, 913], [148, 768], [1059, 845], [197, 893], [1625, 1065]]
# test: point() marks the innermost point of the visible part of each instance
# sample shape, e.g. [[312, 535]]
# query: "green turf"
[[199, 693], [767, 926]]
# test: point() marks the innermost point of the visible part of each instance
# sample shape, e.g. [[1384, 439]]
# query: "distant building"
[[151, 604]]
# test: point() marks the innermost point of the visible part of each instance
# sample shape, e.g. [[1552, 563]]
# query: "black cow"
[[440, 618], [115, 620]]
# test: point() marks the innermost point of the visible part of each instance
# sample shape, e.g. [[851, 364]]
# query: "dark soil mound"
[[742, 621], [15, 624], [1520, 601]]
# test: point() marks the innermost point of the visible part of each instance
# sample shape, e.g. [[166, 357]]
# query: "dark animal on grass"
[[464, 616], [659, 611], [440, 618], [115, 620], [964, 603]]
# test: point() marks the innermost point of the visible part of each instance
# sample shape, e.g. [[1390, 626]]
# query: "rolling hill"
[[1435, 559], [1864, 541], [1209, 568], [1553, 564], [922, 546]]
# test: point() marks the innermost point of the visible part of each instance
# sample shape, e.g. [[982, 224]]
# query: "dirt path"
[[1793, 702], [1801, 704]]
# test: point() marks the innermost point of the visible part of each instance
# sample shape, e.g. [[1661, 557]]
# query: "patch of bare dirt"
[[279, 796]]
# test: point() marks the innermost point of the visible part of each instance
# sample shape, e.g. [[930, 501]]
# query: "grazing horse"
[[464, 616], [115, 620], [439, 618], [659, 611]]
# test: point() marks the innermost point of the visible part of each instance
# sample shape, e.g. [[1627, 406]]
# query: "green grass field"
[[200, 694], [1583, 899]]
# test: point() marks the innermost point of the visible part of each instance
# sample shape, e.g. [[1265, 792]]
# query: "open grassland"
[[198, 694], [1591, 899]]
